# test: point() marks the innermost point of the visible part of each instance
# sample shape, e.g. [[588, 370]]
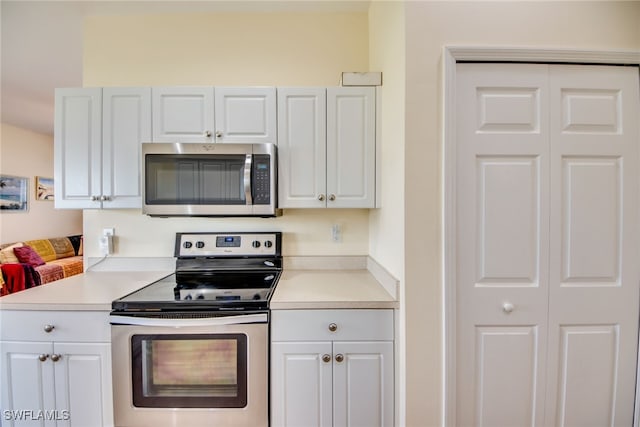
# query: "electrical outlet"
[[336, 233]]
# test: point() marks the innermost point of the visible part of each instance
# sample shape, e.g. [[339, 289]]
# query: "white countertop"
[[330, 289], [88, 291], [345, 284]]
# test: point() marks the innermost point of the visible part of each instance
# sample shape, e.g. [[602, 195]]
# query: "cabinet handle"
[[339, 358], [207, 133], [321, 197], [326, 358], [332, 197], [219, 134], [94, 198], [105, 198], [49, 328], [55, 357], [333, 327], [43, 357]]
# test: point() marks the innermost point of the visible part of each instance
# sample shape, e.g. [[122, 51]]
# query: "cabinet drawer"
[[318, 325], [27, 325]]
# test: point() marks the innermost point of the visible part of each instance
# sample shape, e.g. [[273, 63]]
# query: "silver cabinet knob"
[[333, 327], [105, 198], [321, 197], [207, 133], [55, 357], [219, 134], [332, 197], [94, 198], [43, 357], [49, 328], [507, 307], [326, 358], [339, 358]]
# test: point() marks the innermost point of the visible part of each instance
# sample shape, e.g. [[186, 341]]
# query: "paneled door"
[[547, 244]]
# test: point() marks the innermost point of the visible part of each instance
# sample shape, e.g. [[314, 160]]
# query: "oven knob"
[[200, 296], [187, 245], [199, 245], [256, 297], [268, 244], [255, 244], [188, 297]]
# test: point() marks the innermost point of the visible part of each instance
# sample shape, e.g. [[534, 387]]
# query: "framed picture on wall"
[[44, 188], [14, 194]]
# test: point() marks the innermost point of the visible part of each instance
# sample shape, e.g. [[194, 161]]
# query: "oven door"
[[190, 372]]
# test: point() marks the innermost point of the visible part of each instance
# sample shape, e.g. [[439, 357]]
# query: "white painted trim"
[[386, 279], [524, 54], [452, 55]]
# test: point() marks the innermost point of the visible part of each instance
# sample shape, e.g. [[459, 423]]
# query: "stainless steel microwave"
[[192, 179]]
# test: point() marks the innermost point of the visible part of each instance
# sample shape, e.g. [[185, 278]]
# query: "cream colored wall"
[[431, 26], [30, 154], [386, 225], [295, 49]]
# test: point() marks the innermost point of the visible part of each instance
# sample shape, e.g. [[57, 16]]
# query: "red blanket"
[[18, 277]]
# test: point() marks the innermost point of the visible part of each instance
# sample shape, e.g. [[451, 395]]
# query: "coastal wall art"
[[44, 188], [14, 193]]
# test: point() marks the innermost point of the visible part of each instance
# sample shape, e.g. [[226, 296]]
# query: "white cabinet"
[[221, 114], [332, 368], [327, 147], [97, 140], [62, 381]]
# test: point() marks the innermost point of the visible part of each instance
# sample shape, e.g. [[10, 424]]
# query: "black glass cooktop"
[[219, 290]]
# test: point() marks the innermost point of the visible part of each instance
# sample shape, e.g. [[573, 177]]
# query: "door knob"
[[339, 358], [326, 358], [49, 328], [507, 307], [207, 133], [332, 197], [43, 357], [333, 327], [55, 357], [321, 197], [219, 134]]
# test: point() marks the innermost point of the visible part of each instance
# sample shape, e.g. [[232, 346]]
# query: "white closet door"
[[593, 304], [502, 244], [547, 244]]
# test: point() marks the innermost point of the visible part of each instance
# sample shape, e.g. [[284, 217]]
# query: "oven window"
[[189, 371]]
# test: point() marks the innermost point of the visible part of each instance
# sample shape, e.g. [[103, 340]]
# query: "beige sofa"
[[61, 257]]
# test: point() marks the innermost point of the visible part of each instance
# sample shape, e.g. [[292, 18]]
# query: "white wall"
[[30, 154], [280, 48], [429, 27]]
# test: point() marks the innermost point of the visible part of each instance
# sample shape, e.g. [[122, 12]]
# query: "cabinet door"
[[301, 384], [182, 114], [83, 383], [351, 147], [27, 383], [77, 148], [302, 147], [245, 114], [126, 124], [363, 384]]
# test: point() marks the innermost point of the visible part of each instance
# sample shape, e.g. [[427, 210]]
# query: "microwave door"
[[247, 179]]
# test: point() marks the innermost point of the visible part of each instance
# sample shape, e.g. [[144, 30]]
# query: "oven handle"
[[206, 321]]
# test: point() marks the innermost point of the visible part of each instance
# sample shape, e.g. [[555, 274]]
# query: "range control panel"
[[228, 244]]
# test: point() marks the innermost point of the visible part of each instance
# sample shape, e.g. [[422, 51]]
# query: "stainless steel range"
[[191, 349]]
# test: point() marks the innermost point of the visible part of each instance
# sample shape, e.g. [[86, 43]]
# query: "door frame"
[[451, 56]]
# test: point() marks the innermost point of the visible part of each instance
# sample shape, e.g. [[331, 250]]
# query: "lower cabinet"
[[51, 383], [341, 381]]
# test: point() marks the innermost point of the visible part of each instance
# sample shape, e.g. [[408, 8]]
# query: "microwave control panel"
[[261, 179]]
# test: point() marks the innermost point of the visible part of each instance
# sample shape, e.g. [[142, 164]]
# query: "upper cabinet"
[[221, 114], [97, 146], [327, 147]]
